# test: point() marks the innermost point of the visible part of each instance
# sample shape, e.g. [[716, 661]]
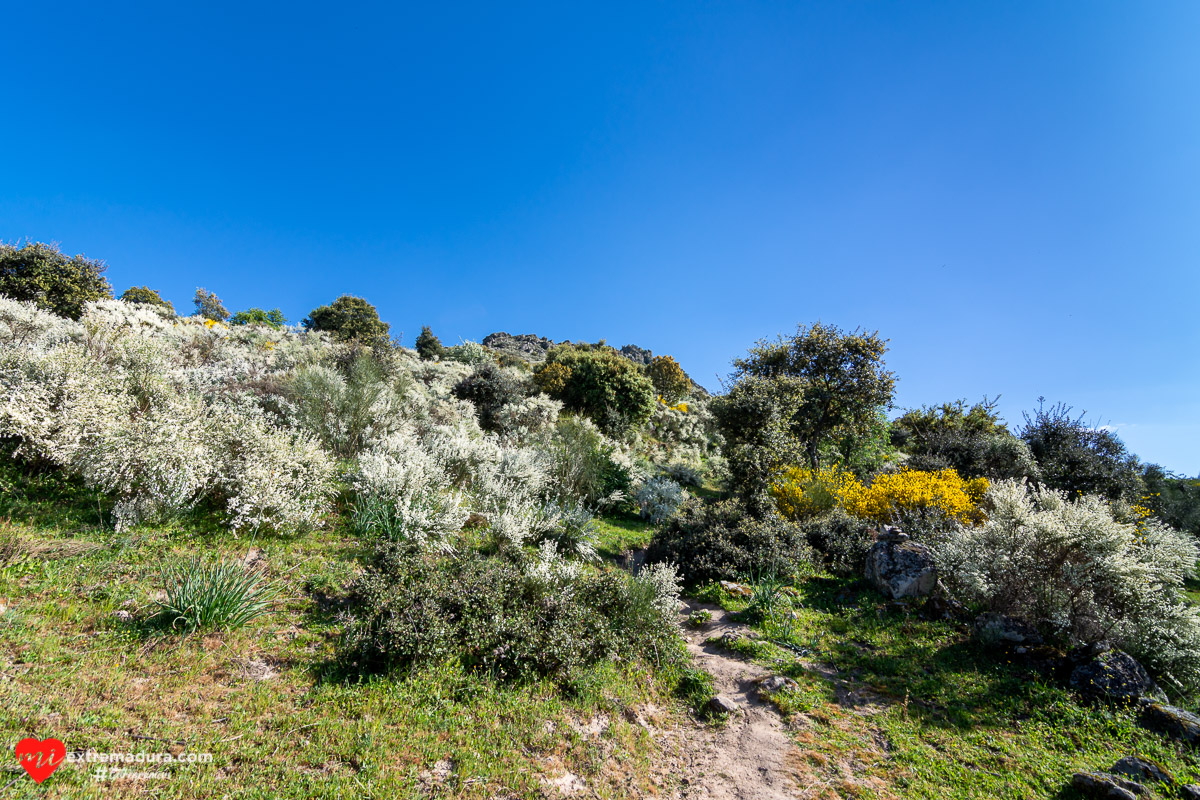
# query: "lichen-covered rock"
[[777, 683], [899, 567], [722, 705], [1174, 722], [997, 629], [1142, 769], [1103, 786], [1112, 677], [526, 346]]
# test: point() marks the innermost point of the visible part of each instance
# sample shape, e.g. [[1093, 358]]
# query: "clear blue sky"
[[1008, 191]]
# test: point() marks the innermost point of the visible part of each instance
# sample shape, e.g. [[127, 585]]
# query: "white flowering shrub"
[[659, 498], [25, 326], [469, 352], [1082, 571], [528, 417]]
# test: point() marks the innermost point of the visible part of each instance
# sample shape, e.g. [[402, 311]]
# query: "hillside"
[[312, 562]]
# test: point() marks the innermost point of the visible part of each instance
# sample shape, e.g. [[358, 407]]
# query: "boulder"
[[1112, 677], [1189, 791], [997, 629], [943, 608], [1144, 770], [736, 589], [1105, 786], [899, 567], [1174, 722]]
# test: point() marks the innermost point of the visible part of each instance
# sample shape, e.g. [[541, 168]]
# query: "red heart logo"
[[40, 758]]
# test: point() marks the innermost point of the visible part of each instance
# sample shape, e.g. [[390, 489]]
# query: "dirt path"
[[747, 758]]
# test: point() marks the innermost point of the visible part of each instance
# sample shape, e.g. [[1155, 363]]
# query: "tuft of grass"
[[221, 595]]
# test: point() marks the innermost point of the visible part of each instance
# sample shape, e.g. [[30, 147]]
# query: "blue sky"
[[1009, 192]]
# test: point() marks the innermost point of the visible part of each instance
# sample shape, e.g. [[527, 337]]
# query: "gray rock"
[[1108, 787], [722, 705], [122, 616], [525, 346], [1142, 769], [899, 568], [1174, 722], [1189, 791], [998, 629], [776, 684], [1112, 677], [638, 355]]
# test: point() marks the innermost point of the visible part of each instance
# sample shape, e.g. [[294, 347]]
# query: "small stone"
[[721, 704], [736, 589], [122, 616], [1000, 630], [1142, 769], [1174, 722], [776, 684], [1103, 786]]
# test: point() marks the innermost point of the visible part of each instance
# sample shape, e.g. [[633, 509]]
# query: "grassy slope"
[[892, 705], [69, 668]]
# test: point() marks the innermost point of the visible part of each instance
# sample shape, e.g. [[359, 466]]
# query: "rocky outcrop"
[[899, 567], [638, 355], [1112, 677], [525, 346]]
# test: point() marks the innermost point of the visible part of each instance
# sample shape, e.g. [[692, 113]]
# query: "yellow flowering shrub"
[[914, 490], [802, 492]]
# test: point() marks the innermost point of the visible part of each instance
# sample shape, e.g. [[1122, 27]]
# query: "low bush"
[[585, 465], [144, 295], [670, 381], [723, 541], [221, 595], [597, 381], [840, 540], [488, 613], [658, 499]]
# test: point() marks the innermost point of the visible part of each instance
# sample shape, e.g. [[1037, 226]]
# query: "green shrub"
[[429, 347], [257, 316], [349, 319], [144, 295], [347, 410], [584, 466], [597, 381], [840, 541], [670, 381], [217, 596], [42, 274], [410, 610], [209, 306], [724, 542], [490, 389]]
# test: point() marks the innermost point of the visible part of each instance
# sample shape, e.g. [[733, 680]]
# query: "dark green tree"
[[974, 441], [669, 379], [597, 381], [42, 274], [841, 377], [349, 319], [144, 295], [209, 306], [257, 316], [429, 347], [1078, 458]]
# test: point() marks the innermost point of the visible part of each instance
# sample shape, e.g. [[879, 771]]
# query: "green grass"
[[71, 667], [892, 705], [617, 535]]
